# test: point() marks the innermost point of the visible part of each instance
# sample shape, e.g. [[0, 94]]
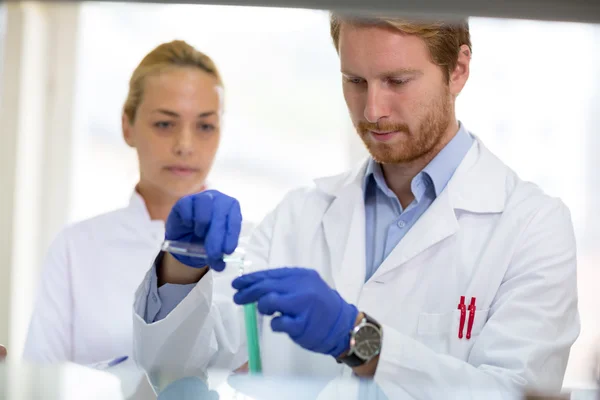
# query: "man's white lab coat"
[[488, 235]]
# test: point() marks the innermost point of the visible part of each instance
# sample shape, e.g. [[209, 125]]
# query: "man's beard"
[[414, 144]]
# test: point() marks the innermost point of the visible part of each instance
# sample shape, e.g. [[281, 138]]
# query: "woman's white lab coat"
[[488, 235], [82, 312]]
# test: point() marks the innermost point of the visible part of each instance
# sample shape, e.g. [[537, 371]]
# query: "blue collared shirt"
[[386, 221]]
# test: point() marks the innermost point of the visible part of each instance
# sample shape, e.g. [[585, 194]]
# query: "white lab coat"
[[82, 312], [488, 235]]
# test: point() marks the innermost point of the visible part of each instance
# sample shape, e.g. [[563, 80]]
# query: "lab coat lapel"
[[477, 186], [344, 231], [140, 223], [435, 225]]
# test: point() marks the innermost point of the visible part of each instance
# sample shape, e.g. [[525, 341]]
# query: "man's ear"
[[460, 75], [127, 130]]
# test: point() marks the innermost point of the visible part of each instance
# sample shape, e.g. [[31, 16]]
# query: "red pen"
[[463, 312], [471, 317]]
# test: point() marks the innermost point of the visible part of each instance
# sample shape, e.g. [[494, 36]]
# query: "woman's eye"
[[206, 127], [163, 124]]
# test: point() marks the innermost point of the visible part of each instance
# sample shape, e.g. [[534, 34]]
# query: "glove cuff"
[[343, 328]]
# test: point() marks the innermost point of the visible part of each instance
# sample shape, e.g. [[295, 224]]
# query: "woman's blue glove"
[[314, 315], [210, 218]]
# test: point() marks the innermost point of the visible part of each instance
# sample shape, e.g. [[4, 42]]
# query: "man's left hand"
[[313, 314]]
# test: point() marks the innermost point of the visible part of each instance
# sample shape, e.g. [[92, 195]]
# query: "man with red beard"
[[431, 264]]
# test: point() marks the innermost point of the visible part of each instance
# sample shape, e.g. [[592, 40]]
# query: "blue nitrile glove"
[[314, 315], [210, 218]]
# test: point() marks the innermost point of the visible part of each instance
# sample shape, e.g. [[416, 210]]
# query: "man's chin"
[[395, 158], [385, 154], [397, 153]]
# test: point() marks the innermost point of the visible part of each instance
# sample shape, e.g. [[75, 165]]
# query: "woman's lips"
[[181, 170]]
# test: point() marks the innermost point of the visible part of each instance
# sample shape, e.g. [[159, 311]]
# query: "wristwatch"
[[365, 343]]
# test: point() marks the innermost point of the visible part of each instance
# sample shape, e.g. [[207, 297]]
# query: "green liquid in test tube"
[[237, 258], [250, 319]]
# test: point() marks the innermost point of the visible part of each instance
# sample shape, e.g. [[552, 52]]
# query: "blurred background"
[[533, 98]]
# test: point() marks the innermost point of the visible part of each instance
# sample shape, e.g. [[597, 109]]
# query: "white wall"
[[285, 120]]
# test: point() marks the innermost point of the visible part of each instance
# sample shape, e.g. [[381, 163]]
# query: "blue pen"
[[117, 361], [109, 364]]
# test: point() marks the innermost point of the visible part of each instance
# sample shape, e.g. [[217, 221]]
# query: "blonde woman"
[[172, 118]]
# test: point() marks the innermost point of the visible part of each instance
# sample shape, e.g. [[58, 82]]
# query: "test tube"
[[198, 251], [237, 258]]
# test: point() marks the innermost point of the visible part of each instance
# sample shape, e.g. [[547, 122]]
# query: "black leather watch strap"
[[351, 360]]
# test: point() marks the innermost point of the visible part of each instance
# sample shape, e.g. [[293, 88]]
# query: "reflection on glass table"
[[226, 386], [70, 382], [61, 382]]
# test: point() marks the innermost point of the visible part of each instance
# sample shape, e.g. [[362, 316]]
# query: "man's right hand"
[[210, 218], [2, 353]]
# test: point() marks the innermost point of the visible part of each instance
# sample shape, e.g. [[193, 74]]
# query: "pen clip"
[[471, 317], [463, 311]]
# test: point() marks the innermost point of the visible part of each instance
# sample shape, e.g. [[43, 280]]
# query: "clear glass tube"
[[238, 257]]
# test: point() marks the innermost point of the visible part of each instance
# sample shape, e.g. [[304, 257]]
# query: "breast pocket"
[[440, 332]]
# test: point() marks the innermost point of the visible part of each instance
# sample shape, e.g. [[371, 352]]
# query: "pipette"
[[237, 258]]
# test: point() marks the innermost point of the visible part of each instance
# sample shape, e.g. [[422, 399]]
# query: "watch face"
[[367, 342]]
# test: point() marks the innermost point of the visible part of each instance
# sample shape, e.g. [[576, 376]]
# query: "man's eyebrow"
[[402, 71], [396, 72]]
